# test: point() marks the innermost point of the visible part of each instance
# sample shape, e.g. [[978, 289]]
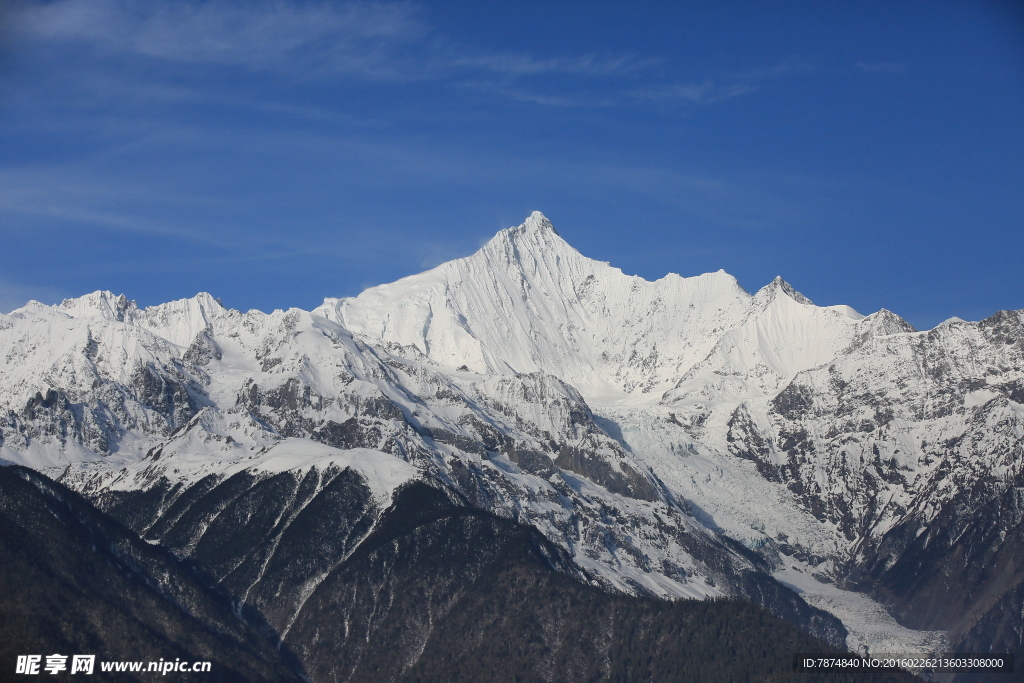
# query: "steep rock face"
[[958, 569], [81, 384], [910, 444], [904, 421]]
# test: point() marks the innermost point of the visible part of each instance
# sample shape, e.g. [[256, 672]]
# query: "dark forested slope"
[[437, 591]]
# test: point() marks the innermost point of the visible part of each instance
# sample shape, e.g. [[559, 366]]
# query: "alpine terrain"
[[524, 434]]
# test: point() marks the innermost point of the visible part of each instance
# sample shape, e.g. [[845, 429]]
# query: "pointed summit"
[[885, 322], [771, 290], [536, 229], [527, 301], [100, 304], [532, 247], [537, 221]]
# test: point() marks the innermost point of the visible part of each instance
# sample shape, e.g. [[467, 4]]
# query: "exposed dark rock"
[[264, 538], [166, 395], [532, 461], [794, 401], [960, 571], [746, 441], [202, 350], [626, 482]]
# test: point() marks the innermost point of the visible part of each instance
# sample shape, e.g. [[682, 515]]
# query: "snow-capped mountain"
[[678, 438]]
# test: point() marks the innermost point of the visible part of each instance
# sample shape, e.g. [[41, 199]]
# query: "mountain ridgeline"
[[523, 462]]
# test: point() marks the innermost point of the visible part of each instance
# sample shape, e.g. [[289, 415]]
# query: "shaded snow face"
[[645, 427]]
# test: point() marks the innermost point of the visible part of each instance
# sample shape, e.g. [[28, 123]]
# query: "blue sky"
[[276, 153]]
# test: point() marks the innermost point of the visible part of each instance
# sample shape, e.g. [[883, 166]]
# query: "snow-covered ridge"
[[528, 301], [633, 422], [177, 321]]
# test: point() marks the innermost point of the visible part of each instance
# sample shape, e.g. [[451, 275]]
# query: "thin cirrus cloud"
[[272, 36], [894, 68], [724, 87], [15, 294], [369, 40], [376, 42], [707, 92]]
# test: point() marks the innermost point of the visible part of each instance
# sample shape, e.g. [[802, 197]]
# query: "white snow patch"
[[979, 398], [383, 472]]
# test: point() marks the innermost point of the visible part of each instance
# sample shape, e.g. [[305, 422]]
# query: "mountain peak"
[[535, 229], [779, 285], [538, 222], [533, 244], [885, 322], [101, 304]]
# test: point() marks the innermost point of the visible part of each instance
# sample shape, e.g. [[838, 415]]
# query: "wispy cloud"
[[722, 87], [346, 37], [66, 193], [522, 64], [708, 92], [375, 42], [894, 68], [16, 294], [370, 40]]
